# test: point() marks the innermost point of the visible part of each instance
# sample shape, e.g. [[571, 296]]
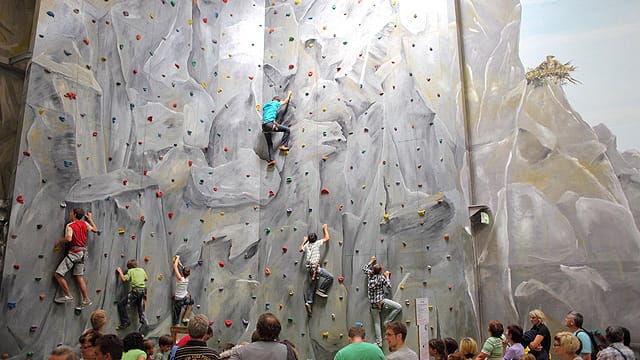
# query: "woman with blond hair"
[[468, 347], [566, 345], [541, 337]]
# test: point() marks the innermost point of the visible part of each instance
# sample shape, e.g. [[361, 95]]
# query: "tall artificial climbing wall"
[[147, 114]]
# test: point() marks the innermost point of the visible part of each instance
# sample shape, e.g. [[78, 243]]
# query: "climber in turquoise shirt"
[[272, 114]]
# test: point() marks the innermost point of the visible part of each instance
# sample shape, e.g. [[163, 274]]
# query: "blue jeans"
[[135, 298], [387, 304], [178, 304], [323, 281]]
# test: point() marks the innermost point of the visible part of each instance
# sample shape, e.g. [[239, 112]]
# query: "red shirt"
[[79, 237]]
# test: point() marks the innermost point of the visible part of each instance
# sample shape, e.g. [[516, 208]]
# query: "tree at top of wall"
[[551, 70]]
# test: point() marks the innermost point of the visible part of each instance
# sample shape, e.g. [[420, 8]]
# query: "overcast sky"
[[601, 38]]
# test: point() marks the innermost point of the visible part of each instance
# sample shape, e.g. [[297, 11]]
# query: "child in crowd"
[[165, 342], [149, 348]]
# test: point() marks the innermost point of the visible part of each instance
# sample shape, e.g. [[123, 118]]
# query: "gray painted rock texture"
[[131, 99], [165, 125]]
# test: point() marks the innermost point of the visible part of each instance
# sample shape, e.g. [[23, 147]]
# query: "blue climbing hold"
[[67, 163], [51, 13]]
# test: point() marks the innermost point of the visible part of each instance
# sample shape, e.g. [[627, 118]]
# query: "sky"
[[602, 39]]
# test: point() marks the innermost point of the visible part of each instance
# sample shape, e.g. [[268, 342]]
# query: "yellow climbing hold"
[[421, 212], [401, 286], [408, 321], [291, 292], [120, 231], [364, 187], [258, 107], [304, 145], [152, 16], [190, 22], [386, 217], [297, 2], [219, 90], [160, 277], [203, 84], [324, 109], [325, 334], [430, 307], [221, 213], [228, 76], [41, 111]]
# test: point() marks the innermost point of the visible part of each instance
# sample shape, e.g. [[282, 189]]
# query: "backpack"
[[598, 341]]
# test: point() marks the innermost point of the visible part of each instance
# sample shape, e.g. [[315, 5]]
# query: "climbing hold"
[[285, 249], [228, 322], [125, 182], [340, 297], [408, 322], [421, 212], [158, 193], [42, 297], [16, 266], [51, 13], [310, 73], [160, 277], [146, 259], [325, 334], [446, 236], [267, 306], [448, 257], [190, 162], [138, 37], [98, 290], [291, 66], [450, 287], [291, 292], [358, 324], [324, 191], [11, 305], [271, 193], [170, 215], [386, 217], [289, 211], [221, 263], [70, 95], [20, 199], [340, 279], [267, 229], [33, 328], [267, 271]]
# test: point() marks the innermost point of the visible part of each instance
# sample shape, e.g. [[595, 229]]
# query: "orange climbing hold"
[[446, 236], [147, 258], [267, 271], [138, 37]]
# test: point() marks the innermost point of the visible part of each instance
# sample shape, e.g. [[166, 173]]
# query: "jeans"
[[178, 304], [135, 298], [267, 130], [323, 281], [387, 304]]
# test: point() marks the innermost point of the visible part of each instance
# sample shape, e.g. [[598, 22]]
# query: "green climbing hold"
[[173, 3], [191, 93], [202, 221], [267, 229], [333, 6], [131, 106], [121, 46], [289, 179], [291, 38], [193, 63]]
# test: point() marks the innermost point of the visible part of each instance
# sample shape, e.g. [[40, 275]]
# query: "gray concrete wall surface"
[[148, 115], [131, 99]]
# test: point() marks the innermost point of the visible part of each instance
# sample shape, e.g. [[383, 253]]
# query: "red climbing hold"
[[446, 236], [86, 41], [177, 66], [271, 193], [20, 199], [149, 118], [310, 73], [70, 95], [324, 191], [138, 37], [26, 153], [146, 259], [95, 133], [250, 77], [144, 172], [42, 296], [291, 66], [174, 105], [221, 263], [225, 149], [439, 201], [204, 20], [125, 181], [16, 266], [215, 188], [340, 279], [170, 215], [190, 162], [135, 71], [158, 193], [98, 290], [227, 322], [285, 249]]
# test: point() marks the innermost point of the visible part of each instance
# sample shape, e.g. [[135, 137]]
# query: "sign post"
[[422, 321]]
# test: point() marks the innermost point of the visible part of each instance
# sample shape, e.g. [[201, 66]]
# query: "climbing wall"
[[147, 114]]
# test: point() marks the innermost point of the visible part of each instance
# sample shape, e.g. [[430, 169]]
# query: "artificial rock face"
[[147, 114]]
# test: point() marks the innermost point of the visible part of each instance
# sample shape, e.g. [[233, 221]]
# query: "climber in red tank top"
[[75, 233]]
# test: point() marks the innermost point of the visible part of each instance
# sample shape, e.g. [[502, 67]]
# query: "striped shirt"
[[196, 350]]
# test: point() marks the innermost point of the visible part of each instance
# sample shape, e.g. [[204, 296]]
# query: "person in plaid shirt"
[[378, 285], [616, 350]]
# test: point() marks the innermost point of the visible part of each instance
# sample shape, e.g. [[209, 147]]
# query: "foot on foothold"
[[321, 293], [122, 326], [63, 299], [185, 321], [283, 148], [85, 303], [307, 306], [271, 163]]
